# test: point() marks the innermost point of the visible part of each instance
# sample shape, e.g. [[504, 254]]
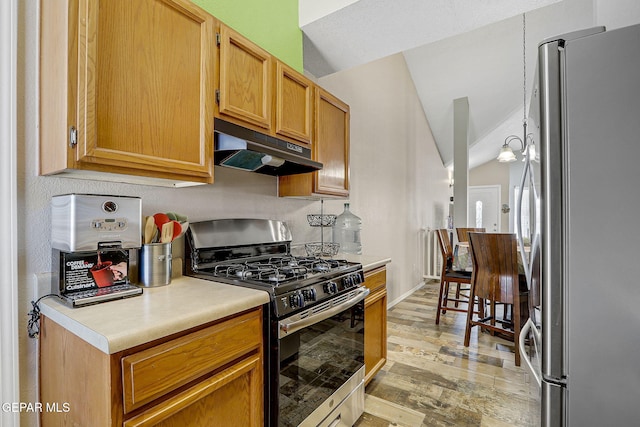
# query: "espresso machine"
[[95, 241]]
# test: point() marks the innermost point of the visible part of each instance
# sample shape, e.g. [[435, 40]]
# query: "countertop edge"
[[133, 321], [369, 262], [376, 264], [97, 340]]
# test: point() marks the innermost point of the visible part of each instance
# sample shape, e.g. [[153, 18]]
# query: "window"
[[478, 214], [527, 214]]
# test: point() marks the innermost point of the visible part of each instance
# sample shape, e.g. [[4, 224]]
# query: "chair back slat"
[[463, 233], [445, 248], [495, 266]]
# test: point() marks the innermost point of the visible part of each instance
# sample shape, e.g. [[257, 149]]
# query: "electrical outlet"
[[42, 284]]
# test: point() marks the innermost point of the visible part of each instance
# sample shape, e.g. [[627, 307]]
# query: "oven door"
[[321, 352]]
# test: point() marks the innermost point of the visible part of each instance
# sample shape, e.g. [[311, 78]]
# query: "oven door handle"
[[288, 327]]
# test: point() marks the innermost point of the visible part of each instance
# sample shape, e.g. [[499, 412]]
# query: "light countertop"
[[187, 302]]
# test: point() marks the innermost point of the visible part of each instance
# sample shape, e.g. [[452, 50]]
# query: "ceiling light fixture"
[[506, 153]]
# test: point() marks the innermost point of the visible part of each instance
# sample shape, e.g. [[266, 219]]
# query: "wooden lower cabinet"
[[228, 398], [375, 326], [209, 376]]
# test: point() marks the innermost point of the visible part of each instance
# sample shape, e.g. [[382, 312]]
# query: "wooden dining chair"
[[449, 275], [495, 280], [463, 233]]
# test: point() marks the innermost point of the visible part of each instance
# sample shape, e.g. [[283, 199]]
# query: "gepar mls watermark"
[[36, 407]]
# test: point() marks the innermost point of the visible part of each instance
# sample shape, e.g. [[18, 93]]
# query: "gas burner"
[[321, 265], [273, 270], [283, 261], [275, 277], [233, 270]]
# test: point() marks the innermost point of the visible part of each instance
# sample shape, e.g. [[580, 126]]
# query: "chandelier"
[[526, 142]]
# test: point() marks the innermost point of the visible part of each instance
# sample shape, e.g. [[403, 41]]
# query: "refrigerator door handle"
[[529, 326], [518, 217], [553, 204]]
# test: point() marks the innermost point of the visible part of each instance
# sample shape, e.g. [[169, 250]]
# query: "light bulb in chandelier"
[[506, 154]]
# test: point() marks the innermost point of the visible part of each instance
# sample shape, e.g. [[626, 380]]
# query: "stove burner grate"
[[273, 270]]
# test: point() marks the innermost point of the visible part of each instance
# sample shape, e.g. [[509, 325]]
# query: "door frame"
[[9, 366], [498, 189]]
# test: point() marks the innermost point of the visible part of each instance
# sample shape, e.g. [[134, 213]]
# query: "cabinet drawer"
[[235, 393], [375, 279], [153, 372]]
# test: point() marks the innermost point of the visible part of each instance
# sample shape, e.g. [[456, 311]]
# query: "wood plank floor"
[[431, 379]]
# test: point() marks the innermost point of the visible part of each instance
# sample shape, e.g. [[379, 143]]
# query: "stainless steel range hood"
[[241, 148]]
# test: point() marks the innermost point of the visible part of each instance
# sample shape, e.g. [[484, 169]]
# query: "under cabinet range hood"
[[241, 148]]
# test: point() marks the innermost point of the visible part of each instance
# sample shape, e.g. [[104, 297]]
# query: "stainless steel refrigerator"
[[583, 213]]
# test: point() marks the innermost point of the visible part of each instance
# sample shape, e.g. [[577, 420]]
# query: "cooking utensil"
[[166, 235], [178, 217], [160, 219], [184, 225], [177, 230], [150, 229]]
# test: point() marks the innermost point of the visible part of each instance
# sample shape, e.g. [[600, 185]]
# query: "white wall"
[[399, 184], [617, 13]]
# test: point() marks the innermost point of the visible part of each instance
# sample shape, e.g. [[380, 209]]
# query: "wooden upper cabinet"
[[332, 144], [246, 80], [294, 104], [127, 87], [330, 147]]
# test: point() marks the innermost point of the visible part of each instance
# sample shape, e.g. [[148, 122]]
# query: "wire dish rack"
[[322, 248], [321, 220]]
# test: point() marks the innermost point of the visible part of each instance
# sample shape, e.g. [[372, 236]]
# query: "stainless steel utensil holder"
[[155, 264]]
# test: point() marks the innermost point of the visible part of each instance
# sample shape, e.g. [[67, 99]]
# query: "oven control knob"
[[331, 288], [357, 279], [296, 300], [348, 282], [309, 294]]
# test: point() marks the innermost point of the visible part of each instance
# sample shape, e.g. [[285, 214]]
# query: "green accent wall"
[[272, 25]]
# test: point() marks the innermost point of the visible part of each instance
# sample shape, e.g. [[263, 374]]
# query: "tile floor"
[[431, 379]]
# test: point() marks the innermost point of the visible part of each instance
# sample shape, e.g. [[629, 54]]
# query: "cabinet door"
[[246, 80], [145, 86], [331, 145], [375, 327], [232, 397], [294, 94], [62, 352]]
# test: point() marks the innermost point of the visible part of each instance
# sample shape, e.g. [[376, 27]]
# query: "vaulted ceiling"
[[453, 49]]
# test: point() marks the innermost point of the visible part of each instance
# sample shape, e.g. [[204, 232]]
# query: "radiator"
[[432, 257]]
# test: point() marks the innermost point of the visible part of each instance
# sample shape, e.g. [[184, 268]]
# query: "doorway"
[[484, 207]]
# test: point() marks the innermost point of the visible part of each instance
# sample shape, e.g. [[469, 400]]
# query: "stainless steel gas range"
[[314, 325]]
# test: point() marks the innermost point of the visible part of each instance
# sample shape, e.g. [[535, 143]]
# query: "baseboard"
[[406, 294]]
